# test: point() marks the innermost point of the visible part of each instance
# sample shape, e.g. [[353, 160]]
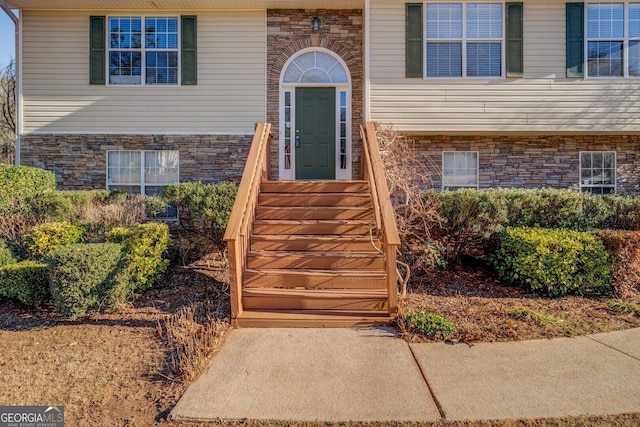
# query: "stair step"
[[311, 318], [330, 212], [314, 299], [310, 226], [296, 242], [314, 278], [315, 260], [314, 187], [314, 199]]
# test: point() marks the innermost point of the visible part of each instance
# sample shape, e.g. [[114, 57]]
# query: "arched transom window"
[[315, 67]]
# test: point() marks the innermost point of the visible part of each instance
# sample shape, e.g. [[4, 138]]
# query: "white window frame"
[[455, 186], [464, 40], [143, 50], [585, 187], [142, 184], [625, 40]]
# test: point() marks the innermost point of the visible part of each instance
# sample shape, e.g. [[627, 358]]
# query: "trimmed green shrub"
[[430, 325], [82, 276], [625, 212], [470, 217], [553, 262], [50, 207], [549, 208], [624, 252], [44, 238], [7, 253], [23, 181], [144, 245], [203, 208], [25, 281]]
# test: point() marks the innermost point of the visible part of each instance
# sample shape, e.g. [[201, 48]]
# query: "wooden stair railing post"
[[384, 210], [238, 229]]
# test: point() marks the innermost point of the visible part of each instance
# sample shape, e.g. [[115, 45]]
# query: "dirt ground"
[[111, 369]]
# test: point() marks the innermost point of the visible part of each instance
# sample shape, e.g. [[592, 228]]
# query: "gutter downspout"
[[16, 23]]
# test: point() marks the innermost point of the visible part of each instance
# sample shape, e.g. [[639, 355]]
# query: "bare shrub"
[[191, 335], [15, 226], [116, 212], [416, 206]]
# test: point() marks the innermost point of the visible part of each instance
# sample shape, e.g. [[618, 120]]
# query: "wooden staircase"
[[312, 254]]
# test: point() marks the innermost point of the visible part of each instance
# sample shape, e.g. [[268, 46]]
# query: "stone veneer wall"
[[535, 161], [289, 31], [79, 161]]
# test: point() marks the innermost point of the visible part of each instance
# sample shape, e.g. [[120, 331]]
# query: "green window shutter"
[[515, 46], [189, 50], [97, 53], [575, 39], [414, 40]]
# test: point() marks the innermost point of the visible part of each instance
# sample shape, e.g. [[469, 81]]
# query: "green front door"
[[315, 137]]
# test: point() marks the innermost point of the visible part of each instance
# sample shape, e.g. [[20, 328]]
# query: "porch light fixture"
[[315, 22]]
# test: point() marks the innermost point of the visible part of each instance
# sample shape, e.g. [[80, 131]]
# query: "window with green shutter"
[[143, 50], [515, 47]]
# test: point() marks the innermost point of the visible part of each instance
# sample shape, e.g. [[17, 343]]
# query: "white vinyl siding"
[[543, 101], [228, 99]]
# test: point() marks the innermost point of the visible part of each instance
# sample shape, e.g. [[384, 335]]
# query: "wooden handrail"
[[378, 183], [239, 227], [373, 172]]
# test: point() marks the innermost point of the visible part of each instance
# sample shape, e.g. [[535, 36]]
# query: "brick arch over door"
[[289, 31]]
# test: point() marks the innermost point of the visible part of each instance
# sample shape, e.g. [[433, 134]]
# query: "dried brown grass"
[[120, 212], [621, 420], [191, 335]]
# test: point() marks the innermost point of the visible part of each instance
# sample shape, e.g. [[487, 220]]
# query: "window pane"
[[131, 189], [161, 167], [608, 160], [634, 58], [484, 59], [123, 167], [605, 20], [444, 21], [484, 21], [605, 59], [162, 68], [459, 169], [634, 20], [444, 59], [124, 67]]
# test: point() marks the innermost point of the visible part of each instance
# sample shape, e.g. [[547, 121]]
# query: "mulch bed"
[[479, 305]]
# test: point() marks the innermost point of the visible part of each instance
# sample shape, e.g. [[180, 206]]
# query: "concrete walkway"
[[339, 375]]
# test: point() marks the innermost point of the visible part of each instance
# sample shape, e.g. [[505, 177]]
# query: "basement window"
[[598, 172], [459, 169], [143, 172]]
